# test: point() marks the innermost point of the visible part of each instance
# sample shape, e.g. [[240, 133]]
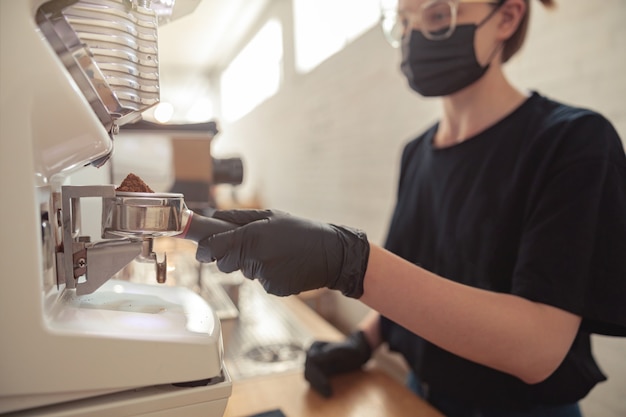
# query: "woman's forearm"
[[502, 331]]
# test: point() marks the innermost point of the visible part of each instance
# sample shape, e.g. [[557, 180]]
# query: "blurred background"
[[305, 101]]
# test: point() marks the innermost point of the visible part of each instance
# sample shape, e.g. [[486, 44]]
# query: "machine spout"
[[148, 255]]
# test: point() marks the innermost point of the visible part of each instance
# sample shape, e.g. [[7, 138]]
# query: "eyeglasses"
[[436, 20]]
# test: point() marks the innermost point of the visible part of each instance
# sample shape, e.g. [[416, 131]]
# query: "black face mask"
[[439, 68]]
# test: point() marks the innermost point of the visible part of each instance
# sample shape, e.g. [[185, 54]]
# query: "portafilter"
[[145, 216], [150, 215]]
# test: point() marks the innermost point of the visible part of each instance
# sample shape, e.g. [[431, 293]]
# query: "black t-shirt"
[[535, 206]]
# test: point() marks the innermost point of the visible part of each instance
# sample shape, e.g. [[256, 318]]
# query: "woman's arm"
[[502, 331], [288, 254]]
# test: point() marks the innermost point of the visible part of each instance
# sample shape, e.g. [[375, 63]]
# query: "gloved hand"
[[288, 254], [325, 359]]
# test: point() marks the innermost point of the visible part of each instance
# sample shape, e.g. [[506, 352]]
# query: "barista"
[[506, 247]]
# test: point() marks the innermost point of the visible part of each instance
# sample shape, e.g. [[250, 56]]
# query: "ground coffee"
[[132, 183]]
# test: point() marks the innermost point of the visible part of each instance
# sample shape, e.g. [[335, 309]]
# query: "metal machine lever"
[[104, 259]]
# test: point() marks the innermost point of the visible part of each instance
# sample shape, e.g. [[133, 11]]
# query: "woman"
[[505, 251]]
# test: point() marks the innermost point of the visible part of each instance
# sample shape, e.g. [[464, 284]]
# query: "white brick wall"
[[576, 54], [327, 146]]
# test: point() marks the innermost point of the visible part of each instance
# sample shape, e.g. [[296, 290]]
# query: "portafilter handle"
[[197, 227]]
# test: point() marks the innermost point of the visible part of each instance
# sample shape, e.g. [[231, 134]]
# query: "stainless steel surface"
[[104, 259], [142, 215]]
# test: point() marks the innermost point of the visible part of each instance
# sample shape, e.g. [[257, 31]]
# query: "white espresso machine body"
[[125, 348]]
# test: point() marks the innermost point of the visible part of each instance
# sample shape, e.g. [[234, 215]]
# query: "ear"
[[511, 14]]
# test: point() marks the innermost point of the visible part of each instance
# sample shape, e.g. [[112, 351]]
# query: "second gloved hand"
[[325, 359], [288, 254]]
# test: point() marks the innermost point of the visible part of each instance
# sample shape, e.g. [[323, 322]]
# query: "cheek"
[[485, 43]]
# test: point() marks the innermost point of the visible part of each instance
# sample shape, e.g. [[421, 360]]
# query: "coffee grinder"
[[75, 341]]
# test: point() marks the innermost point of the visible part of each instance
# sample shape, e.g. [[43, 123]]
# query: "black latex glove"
[[325, 359], [288, 254]]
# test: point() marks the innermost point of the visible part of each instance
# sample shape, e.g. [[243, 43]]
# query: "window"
[[324, 27], [255, 74]]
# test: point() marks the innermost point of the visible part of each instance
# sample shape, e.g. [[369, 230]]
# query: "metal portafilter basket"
[[145, 216]]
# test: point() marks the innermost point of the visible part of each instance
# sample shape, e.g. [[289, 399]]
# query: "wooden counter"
[[363, 393], [370, 393]]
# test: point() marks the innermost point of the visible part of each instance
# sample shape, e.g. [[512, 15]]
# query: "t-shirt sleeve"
[[573, 247]]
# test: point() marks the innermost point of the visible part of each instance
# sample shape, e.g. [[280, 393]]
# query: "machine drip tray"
[[261, 335]]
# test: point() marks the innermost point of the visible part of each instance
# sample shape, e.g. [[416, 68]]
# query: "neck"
[[475, 108]]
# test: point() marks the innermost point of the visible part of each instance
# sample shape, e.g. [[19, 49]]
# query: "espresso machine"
[[74, 339]]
